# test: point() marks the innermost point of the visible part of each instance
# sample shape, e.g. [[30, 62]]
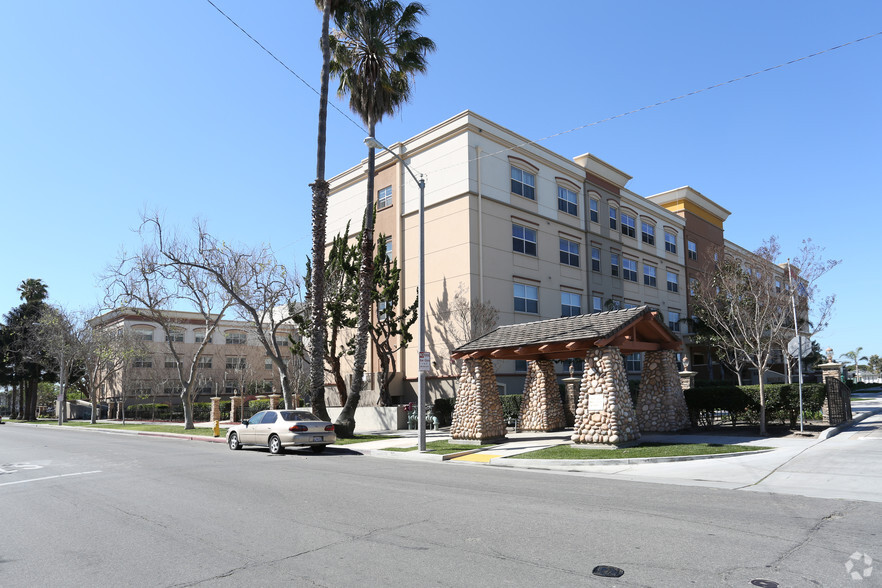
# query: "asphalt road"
[[83, 508]]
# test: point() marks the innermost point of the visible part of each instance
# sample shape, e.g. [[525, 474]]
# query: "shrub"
[[443, 408], [782, 402], [511, 406]]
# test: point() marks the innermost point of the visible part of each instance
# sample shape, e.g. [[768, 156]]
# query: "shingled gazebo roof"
[[631, 330]]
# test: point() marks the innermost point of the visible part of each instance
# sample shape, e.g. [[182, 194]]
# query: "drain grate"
[[607, 571]]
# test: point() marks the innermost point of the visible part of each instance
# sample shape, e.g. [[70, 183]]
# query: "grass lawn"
[[643, 450], [363, 439], [437, 447], [179, 429]]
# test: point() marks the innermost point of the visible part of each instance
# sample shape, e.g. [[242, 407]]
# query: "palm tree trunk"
[[345, 423], [319, 218]]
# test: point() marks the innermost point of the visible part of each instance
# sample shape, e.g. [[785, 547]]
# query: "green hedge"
[[511, 406], [742, 402], [443, 408]]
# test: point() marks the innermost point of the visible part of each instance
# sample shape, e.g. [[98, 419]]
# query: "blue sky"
[[109, 108]]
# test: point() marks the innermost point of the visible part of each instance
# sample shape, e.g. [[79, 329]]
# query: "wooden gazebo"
[[604, 413]]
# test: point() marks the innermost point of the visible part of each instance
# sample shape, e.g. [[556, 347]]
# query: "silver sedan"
[[278, 429]]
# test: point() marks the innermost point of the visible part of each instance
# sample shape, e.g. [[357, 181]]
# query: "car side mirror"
[[245, 422]]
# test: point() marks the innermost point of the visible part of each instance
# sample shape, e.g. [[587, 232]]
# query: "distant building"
[[233, 362]]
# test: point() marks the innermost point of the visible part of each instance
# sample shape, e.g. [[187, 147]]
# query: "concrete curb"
[[827, 433], [416, 455], [538, 464]]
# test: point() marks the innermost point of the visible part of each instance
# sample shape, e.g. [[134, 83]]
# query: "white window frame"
[[384, 197], [629, 273], [649, 276], [527, 294], [521, 236], [629, 224], [567, 201], [566, 305], [567, 257], [523, 183], [670, 242]]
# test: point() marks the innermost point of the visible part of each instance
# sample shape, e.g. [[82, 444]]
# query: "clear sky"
[[111, 107]]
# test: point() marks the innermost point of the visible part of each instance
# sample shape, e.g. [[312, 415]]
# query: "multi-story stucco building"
[[233, 361], [507, 221]]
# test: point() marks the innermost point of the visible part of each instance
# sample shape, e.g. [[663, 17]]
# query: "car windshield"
[[298, 415]]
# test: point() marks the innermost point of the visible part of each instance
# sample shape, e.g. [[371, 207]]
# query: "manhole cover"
[[764, 583], [607, 571]]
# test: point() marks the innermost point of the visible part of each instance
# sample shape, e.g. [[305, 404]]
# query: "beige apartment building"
[[233, 362], [509, 222]]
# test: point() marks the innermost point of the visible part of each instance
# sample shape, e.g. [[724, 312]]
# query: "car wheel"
[[275, 445], [318, 448], [233, 442]]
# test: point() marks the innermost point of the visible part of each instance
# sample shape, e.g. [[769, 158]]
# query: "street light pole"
[[421, 317]]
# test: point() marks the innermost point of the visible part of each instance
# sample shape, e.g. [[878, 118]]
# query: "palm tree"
[[855, 356], [33, 290], [376, 53]]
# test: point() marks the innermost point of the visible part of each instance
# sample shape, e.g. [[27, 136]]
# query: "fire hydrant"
[[217, 428]]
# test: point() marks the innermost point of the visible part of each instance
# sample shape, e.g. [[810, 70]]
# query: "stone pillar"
[[235, 409], [687, 379], [661, 405], [605, 413], [831, 369], [541, 407], [477, 415], [215, 409], [572, 400], [274, 401]]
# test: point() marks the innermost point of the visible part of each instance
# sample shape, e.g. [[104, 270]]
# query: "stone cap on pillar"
[[830, 366]]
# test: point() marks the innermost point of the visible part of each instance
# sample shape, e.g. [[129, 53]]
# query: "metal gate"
[[838, 401]]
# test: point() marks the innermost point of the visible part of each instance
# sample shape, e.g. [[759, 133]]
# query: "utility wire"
[[283, 64], [668, 101]]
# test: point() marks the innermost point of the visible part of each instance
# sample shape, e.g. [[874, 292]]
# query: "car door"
[[249, 433], [263, 430]]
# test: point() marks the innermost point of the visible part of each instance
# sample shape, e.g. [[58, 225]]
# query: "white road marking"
[[49, 478]]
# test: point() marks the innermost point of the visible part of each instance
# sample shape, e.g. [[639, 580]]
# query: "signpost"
[[800, 347]]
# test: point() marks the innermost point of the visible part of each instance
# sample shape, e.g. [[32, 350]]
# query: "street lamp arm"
[[373, 143]]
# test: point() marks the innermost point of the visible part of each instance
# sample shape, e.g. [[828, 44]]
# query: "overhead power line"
[[283, 64]]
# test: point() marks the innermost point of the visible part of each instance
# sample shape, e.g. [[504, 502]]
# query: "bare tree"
[[56, 333], [263, 291], [748, 310], [148, 285]]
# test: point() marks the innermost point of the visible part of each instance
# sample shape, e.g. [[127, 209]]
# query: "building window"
[[569, 252], [674, 321], [693, 284], [692, 249], [231, 387], [520, 365], [388, 247], [594, 207], [143, 334], [778, 288], [596, 303], [204, 362], [233, 338], [649, 276], [613, 224], [673, 282], [595, 259], [647, 233], [698, 359], [567, 201], [382, 305], [614, 264], [523, 240], [526, 298], [235, 363], [523, 183], [170, 362], [629, 225], [267, 363], [570, 304], [670, 242], [200, 336], [175, 336], [142, 362], [634, 362], [629, 269], [384, 197]]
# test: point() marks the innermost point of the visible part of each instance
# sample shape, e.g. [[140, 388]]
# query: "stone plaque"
[[595, 402]]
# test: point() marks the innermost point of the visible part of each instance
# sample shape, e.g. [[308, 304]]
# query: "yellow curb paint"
[[476, 457]]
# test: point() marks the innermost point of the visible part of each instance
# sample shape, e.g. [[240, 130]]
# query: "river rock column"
[[215, 409], [661, 405], [541, 407], [477, 415], [236, 409], [605, 413]]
